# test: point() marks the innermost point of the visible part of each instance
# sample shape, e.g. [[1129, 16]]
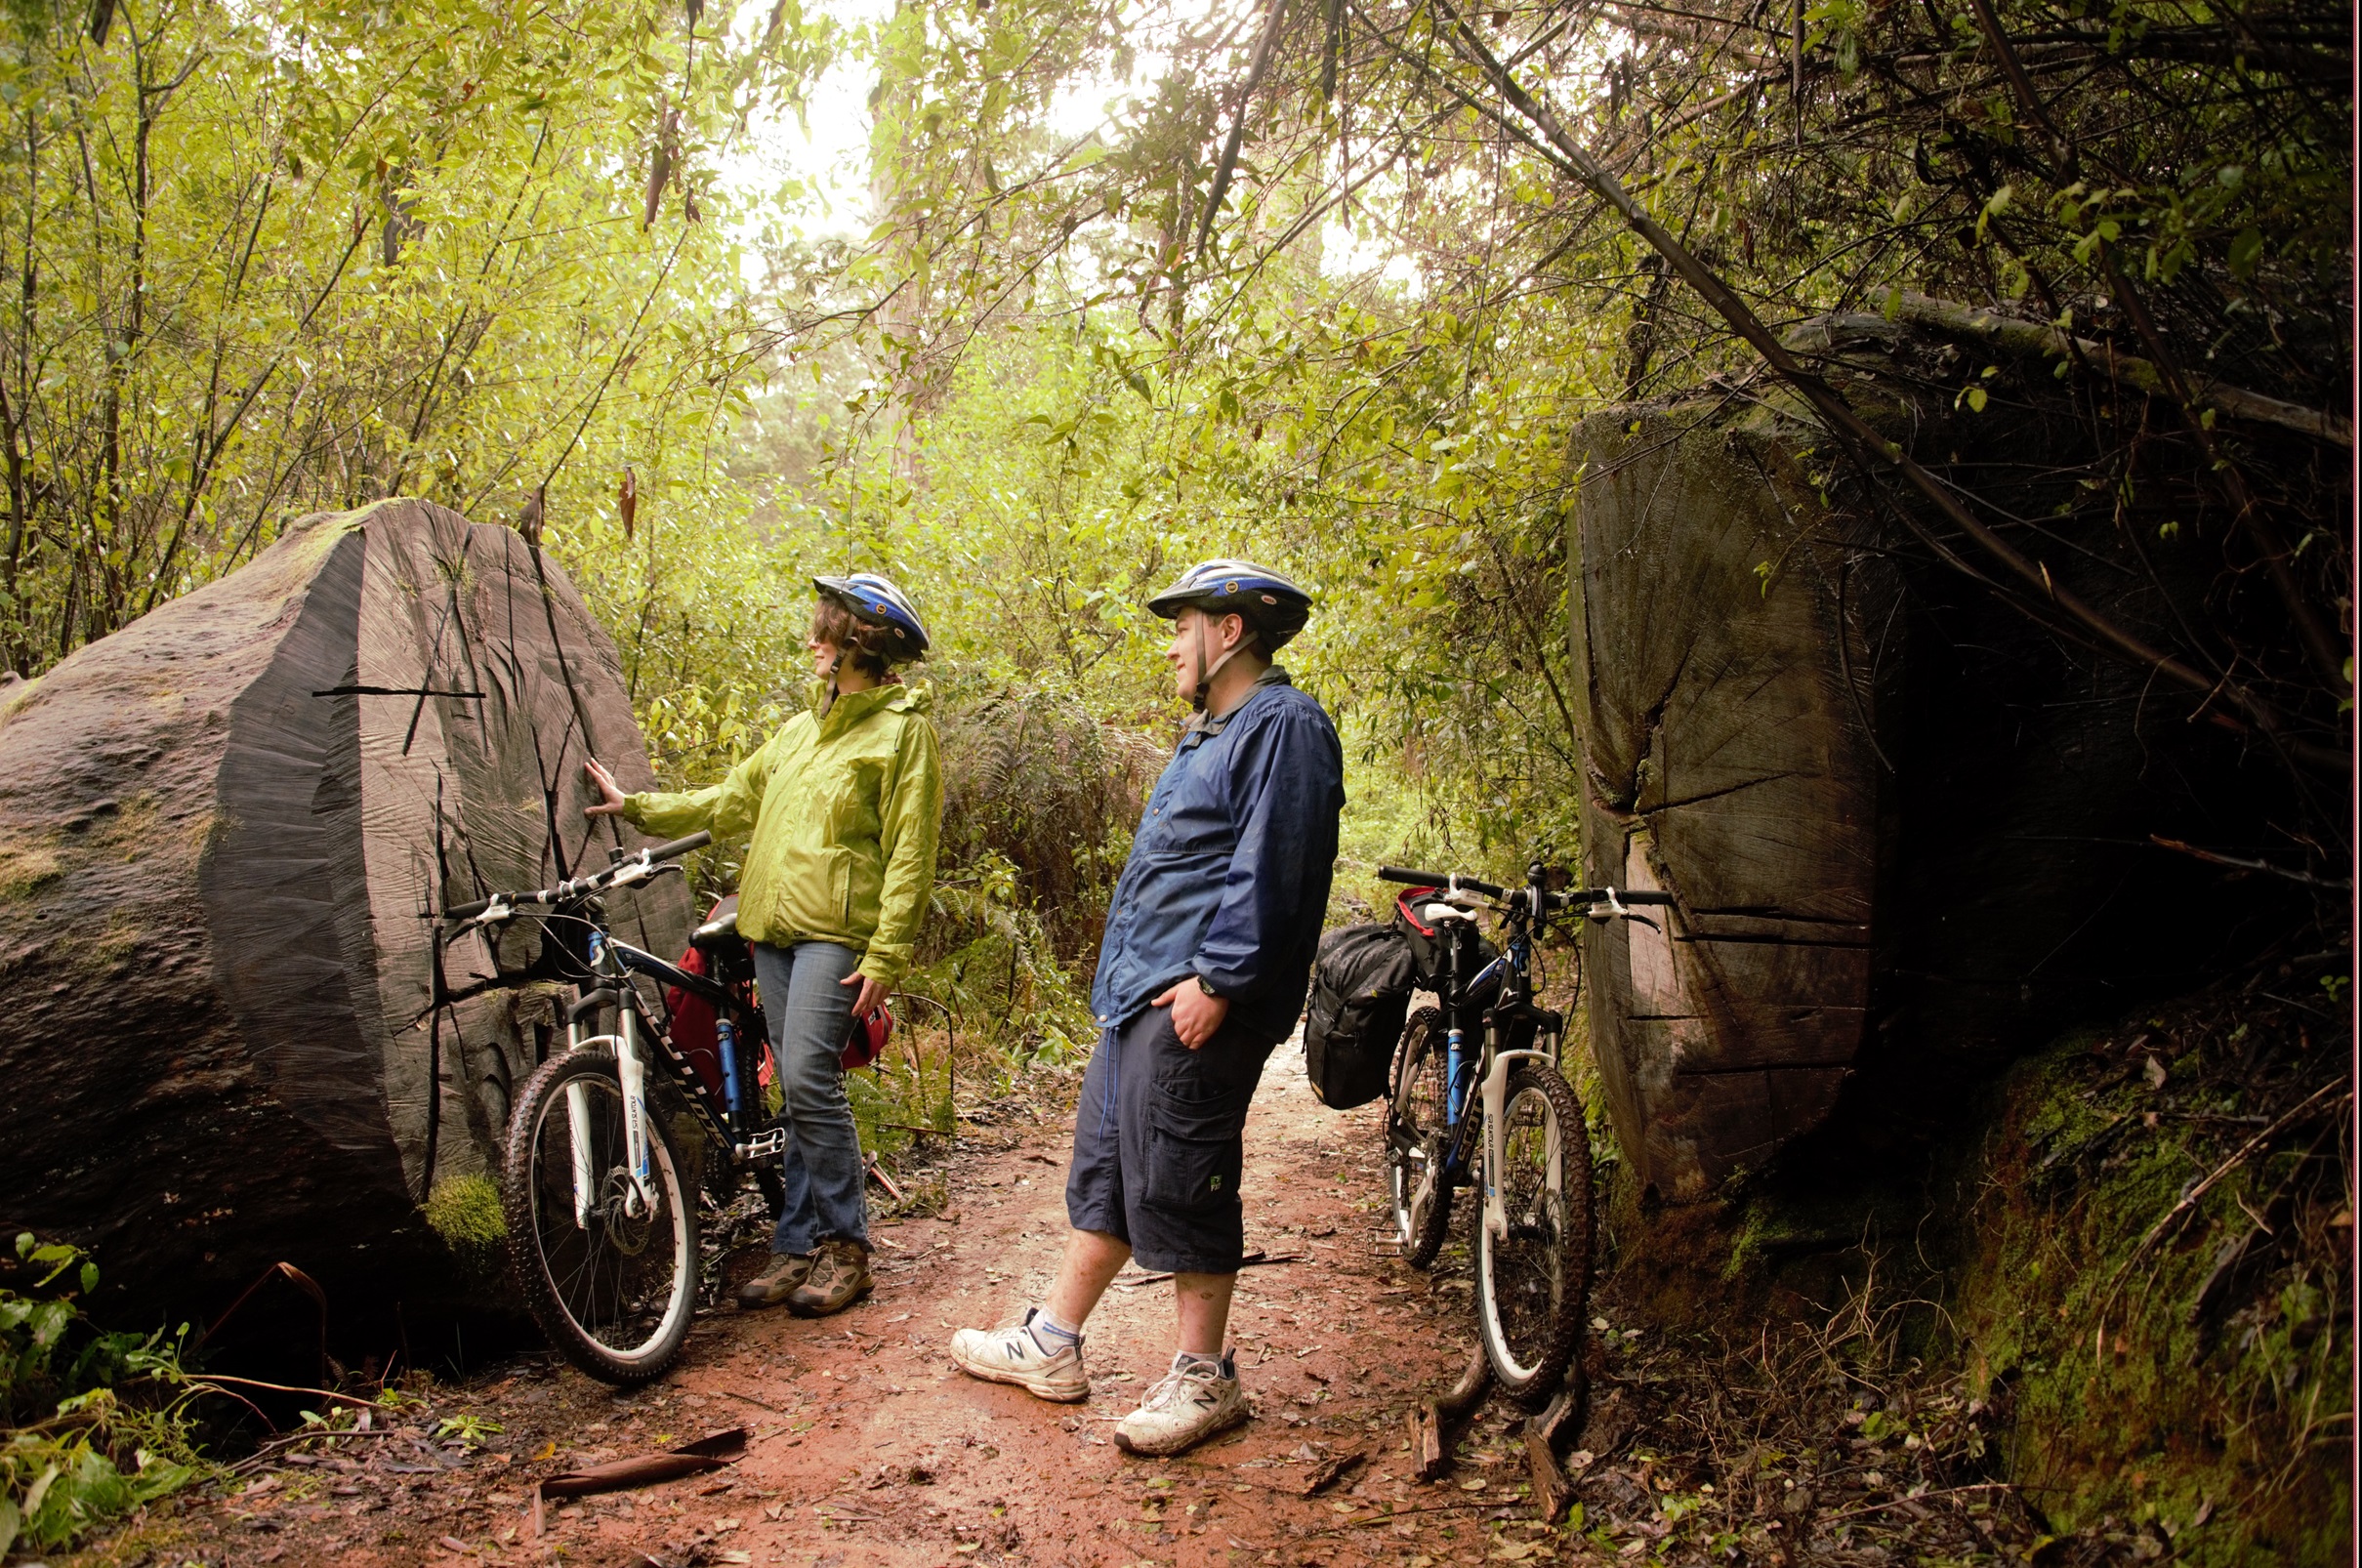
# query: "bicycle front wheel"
[[609, 1274], [1533, 1282]]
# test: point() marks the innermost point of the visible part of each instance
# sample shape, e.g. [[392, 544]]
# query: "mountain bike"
[[603, 1224], [1477, 1098]]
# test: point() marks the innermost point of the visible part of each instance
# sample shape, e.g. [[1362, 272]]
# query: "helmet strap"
[[1206, 673], [829, 699]]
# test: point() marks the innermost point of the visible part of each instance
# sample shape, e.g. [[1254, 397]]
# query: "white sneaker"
[[1012, 1354], [1186, 1406]]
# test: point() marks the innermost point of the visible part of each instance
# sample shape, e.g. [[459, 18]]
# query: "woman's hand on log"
[[610, 793], [872, 995]]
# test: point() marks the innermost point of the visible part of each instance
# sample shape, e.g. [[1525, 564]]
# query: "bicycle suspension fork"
[[631, 1072]]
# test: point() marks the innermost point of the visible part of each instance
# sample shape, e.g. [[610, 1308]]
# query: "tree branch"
[[1840, 415]]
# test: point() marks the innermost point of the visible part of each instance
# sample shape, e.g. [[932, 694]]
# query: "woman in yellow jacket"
[[843, 804]]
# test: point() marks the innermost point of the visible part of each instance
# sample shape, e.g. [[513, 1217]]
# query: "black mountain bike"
[[603, 1224], [1477, 1099]]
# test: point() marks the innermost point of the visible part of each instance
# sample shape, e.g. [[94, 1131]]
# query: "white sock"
[[1050, 1333]]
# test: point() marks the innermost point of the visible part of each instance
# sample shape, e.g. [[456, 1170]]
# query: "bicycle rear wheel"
[[611, 1281], [1417, 1137], [1533, 1284]]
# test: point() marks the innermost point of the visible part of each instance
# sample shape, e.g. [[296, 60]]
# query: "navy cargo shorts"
[[1157, 1144]]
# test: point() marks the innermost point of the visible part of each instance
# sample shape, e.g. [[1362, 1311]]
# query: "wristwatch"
[[1207, 986]]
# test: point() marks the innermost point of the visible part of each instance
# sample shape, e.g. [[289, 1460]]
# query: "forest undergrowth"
[[2100, 1322]]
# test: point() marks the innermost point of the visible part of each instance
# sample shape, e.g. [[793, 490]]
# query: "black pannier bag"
[[1361, 988]]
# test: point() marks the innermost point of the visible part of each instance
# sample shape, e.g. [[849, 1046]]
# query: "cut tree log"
[[1729, 764], [1907, 826], [223, 832]]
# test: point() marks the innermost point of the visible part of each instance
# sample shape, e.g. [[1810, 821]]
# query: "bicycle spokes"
[[608, 1250], [1529, 1274]]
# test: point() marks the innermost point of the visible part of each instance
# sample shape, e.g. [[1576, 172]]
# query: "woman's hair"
[[863, 645]]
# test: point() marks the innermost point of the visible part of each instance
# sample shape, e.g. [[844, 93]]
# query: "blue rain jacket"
[[1229, 872]]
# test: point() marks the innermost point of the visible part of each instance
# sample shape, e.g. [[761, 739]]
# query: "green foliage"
[[92, 1423], [268, 260], [467, 1428], [1082, 371]]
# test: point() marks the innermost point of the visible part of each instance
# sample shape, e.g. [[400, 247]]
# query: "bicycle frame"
[[611, 965], [1482, 1084]]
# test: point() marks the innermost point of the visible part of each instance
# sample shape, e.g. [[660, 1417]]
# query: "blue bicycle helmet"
[[1275, 607], [875, 601]]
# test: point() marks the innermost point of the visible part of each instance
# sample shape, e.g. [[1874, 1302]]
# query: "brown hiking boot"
[[840, 1277], [777, 1283]]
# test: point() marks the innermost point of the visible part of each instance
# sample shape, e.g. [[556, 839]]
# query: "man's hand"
[[872, 997], [1195, 1014], [610, 793]]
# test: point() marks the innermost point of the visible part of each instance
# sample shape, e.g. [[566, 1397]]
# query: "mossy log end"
[[224, 831], [1905, 824]]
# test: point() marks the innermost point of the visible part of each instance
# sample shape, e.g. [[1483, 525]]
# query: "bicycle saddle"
[[1438, 911], [722, 929]]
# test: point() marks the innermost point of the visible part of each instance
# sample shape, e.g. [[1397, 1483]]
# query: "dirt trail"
[[867, 1448]]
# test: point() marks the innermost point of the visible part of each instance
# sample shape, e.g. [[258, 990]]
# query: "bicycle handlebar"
[[1438, 879], [630, 869], [1583, 897]]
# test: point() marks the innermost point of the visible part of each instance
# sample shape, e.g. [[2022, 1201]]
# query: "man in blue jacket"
[[1208, 949]]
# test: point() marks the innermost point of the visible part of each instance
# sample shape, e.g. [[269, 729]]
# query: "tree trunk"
[[223, 831], [1910, 830]]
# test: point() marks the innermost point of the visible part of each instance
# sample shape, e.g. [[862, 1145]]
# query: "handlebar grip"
[[1646, 898], [681, 846], [468, 911]]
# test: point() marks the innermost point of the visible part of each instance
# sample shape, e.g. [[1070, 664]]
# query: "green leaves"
[[2245, 249], [394, 260], [72, 1455]]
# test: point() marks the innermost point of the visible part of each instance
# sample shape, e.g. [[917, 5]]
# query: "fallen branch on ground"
[[1897, 1503], [212, 1377]]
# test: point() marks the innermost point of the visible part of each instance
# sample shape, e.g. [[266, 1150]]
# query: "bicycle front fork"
[[1485, 1102], [631, 1072]]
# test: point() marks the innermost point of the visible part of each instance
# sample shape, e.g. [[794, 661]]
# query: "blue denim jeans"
[[810, 1011]]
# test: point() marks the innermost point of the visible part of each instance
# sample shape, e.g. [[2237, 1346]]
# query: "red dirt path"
[[867, 1448]]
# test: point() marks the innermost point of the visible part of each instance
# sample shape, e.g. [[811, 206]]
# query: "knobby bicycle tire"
[[1533, 1287], [1417, 1091], [591, 1287]]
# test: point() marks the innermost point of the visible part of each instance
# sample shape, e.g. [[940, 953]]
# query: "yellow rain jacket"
[[844, 812]]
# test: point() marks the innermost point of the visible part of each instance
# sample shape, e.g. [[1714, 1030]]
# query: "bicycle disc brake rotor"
[[626, 1232]]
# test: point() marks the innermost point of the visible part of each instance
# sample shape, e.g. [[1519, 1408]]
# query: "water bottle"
[[733, 1074]]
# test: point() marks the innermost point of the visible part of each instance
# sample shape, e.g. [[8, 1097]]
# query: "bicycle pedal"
[[763, 1145]]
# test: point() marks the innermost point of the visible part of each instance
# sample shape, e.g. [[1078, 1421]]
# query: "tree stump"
[[223, 834], [1908, 826]]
